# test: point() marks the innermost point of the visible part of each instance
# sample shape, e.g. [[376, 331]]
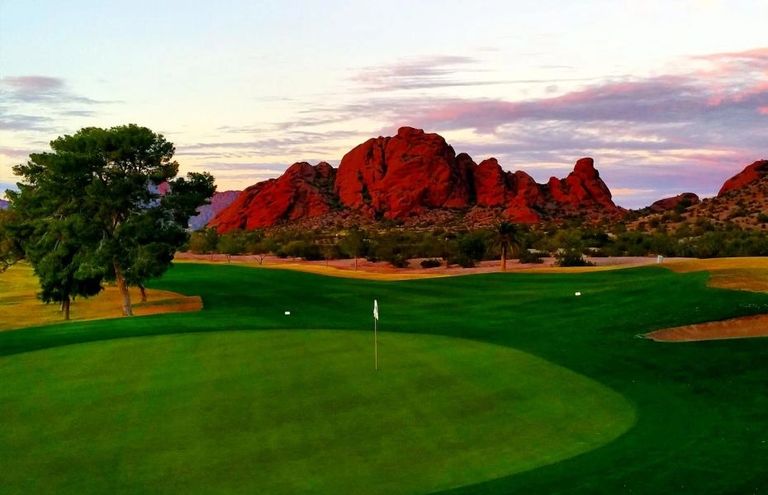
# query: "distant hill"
[[415, 177], [205, 213], [742, 202], [3, 204]]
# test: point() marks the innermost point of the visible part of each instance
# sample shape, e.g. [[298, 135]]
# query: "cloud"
[[659, 100], [438, 71], [40, 89], [295, 143], [14, 152], [21, 122], [424, 72]]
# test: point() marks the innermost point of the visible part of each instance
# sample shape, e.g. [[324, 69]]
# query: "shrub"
[[527, 256], [472, 246], [431, 263], [398, 261], [571, 257], [301, 249], [464, 261]]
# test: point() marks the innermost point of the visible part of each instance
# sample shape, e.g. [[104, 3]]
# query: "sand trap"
[[749, 274], [736, 328]]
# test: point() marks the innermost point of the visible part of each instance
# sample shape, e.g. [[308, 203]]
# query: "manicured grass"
[[701, 408], [282, 412]]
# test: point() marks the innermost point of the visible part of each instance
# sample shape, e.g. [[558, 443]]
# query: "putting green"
[[290, 412]]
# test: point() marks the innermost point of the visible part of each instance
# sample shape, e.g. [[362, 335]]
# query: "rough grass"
[[19, 307], [701, 423], [729, 273], [290, 411]]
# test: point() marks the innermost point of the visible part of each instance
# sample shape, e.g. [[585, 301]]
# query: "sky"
[[667, 96]]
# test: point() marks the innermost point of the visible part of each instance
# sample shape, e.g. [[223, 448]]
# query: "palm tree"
[[508, 237]]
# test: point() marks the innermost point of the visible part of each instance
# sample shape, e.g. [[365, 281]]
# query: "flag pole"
[[376, 334]]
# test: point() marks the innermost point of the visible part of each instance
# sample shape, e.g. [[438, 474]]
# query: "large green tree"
[[107, 185], [10, 250]]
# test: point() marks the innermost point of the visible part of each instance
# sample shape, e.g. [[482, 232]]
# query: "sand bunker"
[[736, 328]]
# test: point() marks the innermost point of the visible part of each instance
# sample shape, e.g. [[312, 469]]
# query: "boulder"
[[683, 200]]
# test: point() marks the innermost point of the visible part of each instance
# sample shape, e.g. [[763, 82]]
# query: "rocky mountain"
[[416, 176], [745, 205], [751, 173], [205, 213], [741, 202]]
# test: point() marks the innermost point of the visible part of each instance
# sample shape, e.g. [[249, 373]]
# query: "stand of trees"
[[569, 245], [89, 211]]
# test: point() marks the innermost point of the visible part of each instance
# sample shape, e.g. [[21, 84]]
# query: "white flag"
[[376, 309]]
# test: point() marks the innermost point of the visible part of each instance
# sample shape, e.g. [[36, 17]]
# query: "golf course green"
[[492, 384], [293, 411]]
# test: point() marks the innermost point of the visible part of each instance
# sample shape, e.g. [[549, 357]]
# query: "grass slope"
[[284, 412], [20, 307], [701, 423]]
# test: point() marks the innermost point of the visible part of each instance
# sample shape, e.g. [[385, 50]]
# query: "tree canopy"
[[103, 204]]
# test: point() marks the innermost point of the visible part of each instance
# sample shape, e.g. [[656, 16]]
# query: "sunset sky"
[[667, 96]]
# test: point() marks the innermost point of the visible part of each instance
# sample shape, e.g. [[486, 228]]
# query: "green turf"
[[284, 412], [701, 426]]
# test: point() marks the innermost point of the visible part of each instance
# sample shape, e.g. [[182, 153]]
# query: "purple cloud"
[[439, 71], [37, 89]]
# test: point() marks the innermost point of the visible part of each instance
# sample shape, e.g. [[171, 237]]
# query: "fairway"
[[492, 384], [291, 412]]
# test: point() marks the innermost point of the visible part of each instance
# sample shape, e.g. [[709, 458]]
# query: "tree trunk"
[[503, 258], [143, 293], [355, 261], [65, 307], [122, 285]]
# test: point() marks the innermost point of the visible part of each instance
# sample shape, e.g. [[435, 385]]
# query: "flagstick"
[[375, 344]]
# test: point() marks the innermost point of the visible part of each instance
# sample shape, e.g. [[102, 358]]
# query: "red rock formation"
[[683, 200], [491, 184], [582, 188], [303, 191], [516, 192], [409, 175], [750, 174], [403, 175]]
